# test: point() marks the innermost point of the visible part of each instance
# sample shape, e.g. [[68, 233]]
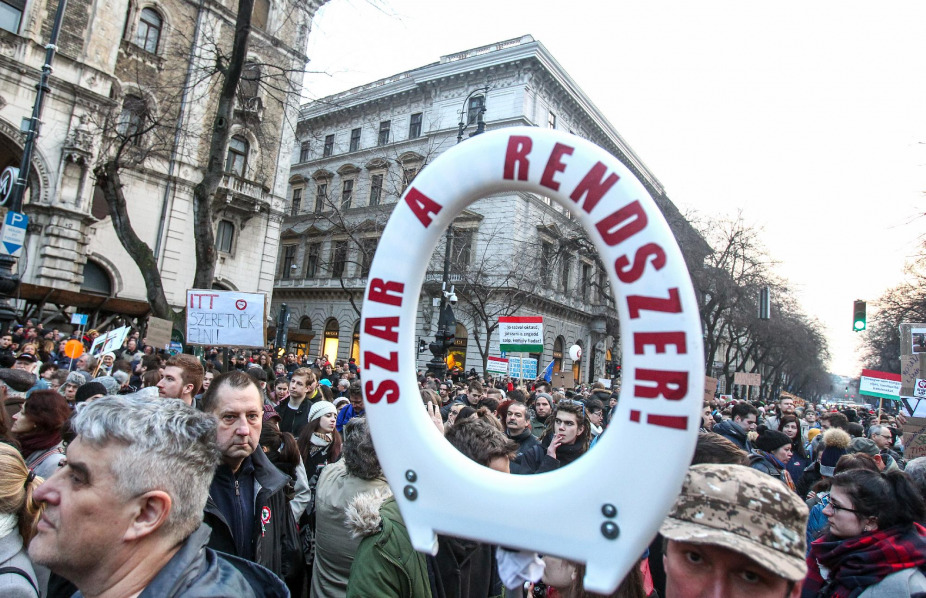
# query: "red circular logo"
[[265, 515], [241, 304]]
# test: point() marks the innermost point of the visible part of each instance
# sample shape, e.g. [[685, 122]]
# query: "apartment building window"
[[304, 151], [289, 259], [347, 193], [338, 259], [312, 253], [260, 14], [476, 105], [148, 34], [367, 251], [329, 146], [462, 249], [384, 127], [414, 126], [321, 196], [376, 189], [546, 261], [132, 118], [297, 201], [11, 14], [551, 120], [566, 274], [224, 236], [408, 175], [586, 280], [355, 140], [236, 160]]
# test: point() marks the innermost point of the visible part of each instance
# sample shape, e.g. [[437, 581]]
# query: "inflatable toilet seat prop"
[[609, 503]]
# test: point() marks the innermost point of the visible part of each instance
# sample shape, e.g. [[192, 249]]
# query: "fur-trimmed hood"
[[362, 513]]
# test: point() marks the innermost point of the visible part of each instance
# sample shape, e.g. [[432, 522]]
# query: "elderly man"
[[734, 532], [248, 509], [123, 516], [884, 440]]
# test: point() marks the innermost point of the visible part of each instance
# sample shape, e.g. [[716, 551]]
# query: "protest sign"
[[747, 379], [110, 341], [710, 387], [521, 335], [914, 438], [226, 319], [159, 331], [497, 365], [880, 384]]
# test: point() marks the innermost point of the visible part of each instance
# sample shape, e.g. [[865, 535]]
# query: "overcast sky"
[[807, 117]]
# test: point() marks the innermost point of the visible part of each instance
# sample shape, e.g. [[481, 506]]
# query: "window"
[[321, 196], [11, 14], [384, 132], [260, 13], [148, 34], [367, 251], [224, 235], [551, 120], [338, 259], [566, 274], [329, 146], [414, 126], [248, 86], [297, 201], [132, 118], [476, 105], [546, 261], [304, 151], [237, 159], [354, 140], [408, 175], [347, 193], [311, 259], [376, 189], [289, 257], [586, 280], [462, 249]]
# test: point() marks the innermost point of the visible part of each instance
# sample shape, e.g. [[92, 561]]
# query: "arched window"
[[248, 86], [148, 34], [330, 343], [224, 236], [260, 14], [558, 354], [132, 118], [305, 323], [237, 159], [96, 280]]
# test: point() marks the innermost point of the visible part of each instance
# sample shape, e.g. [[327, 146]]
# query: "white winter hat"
[[321, 408]]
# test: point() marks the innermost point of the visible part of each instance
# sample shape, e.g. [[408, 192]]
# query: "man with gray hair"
[[916, 469], [884, 439], [123, 515]]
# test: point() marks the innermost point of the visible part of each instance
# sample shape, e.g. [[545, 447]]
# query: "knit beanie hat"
[[836, 442], [321, 408], [88, 390], [812, 433], [772, 440], [863, 445], [112, 386]]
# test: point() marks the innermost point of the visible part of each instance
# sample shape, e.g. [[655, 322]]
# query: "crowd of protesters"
[[141, 473]]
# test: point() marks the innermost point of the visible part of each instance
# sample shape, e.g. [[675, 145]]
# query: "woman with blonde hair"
[[19, 514]]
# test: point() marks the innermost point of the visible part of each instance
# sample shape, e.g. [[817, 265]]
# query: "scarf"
[[38, 441], [785, 476], [844, 568], [8, 522], [320, 443]]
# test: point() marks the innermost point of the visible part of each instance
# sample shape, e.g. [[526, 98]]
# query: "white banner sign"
[[497, 365], [110, 341], [225, 319]]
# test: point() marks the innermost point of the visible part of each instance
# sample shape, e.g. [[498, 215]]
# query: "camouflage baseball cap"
[[744, 510]]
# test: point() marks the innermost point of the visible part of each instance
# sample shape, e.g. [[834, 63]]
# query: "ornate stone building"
[[512, 253], [122, 64]]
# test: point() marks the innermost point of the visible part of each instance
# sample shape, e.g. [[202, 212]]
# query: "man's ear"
[[151, 512], [187, 389]]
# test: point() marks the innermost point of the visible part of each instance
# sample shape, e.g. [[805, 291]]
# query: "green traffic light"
[[859, 325]]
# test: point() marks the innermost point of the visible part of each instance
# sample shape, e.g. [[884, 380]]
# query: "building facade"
[[148, 67], [512, 254]]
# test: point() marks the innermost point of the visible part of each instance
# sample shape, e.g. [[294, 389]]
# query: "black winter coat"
[[276, 539]]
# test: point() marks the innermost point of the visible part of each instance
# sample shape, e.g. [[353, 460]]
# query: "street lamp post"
[[446, 322]]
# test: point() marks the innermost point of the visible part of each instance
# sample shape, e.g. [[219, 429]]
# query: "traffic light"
[[858, 316], [422, 345]]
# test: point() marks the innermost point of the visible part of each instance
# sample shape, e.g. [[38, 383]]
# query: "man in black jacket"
[[247, 508], [744, 419], [518, 428]]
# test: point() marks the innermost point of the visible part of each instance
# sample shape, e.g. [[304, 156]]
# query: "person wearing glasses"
[[876, 543], [565, 439], [883, 437]]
